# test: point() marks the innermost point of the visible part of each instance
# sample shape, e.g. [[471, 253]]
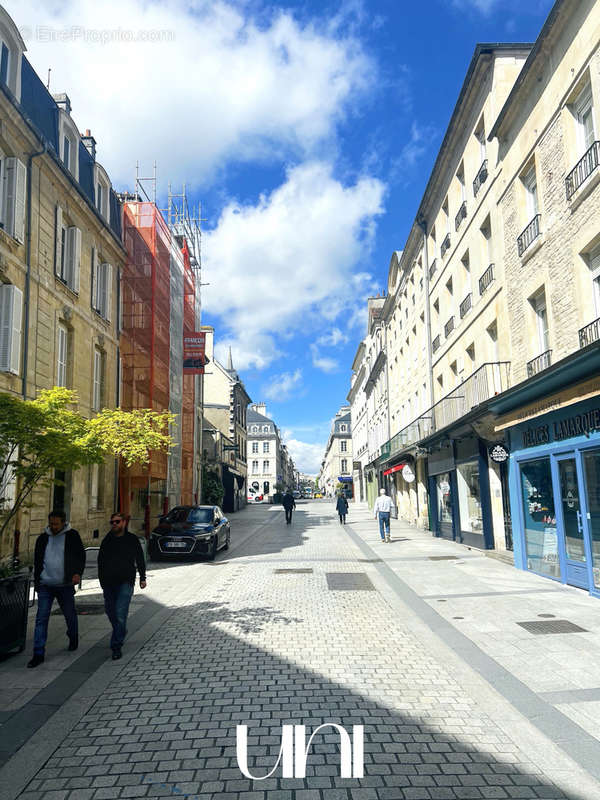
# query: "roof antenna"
[[48, 83]]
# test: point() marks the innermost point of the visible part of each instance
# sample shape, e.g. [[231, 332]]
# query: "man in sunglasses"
[[120, 554]]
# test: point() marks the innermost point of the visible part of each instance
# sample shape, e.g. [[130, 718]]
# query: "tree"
[[212, 488], [47, 434]]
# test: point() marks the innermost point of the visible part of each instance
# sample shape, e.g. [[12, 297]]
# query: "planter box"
[[14, 602]]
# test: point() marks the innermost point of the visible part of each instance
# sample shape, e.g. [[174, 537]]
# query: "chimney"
[[260, 408], [62, 101], [89, 143]]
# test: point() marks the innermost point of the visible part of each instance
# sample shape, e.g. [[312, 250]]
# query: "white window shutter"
[[94, 279], [10, 186], [20, 190], [11, 306], [76, 251], [57, 239], [108, 314]]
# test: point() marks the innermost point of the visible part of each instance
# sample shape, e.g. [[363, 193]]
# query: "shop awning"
[[395, 468]]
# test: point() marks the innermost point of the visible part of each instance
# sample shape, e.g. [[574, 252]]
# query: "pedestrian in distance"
[[342, 508], [120, 554], [383, 508], [58, 564], [289, 505]]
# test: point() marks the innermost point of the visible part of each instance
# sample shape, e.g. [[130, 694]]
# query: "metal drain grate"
[[555, 626], [349, 582], [293, 572], [443, 558]]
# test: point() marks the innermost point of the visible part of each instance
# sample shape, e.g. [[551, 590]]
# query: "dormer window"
[[12, 48], [67, 152], [102, 192], [69, 141]]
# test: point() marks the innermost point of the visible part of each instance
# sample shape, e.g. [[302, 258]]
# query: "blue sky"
[[306, 129]]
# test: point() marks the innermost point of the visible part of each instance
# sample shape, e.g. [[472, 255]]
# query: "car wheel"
[[213, 549], [227, 538]]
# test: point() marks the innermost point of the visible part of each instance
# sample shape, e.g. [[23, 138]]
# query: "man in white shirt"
[[383, 507]]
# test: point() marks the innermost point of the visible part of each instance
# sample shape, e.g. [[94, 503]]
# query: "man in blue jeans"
[[58, 563], [383, 507], [120, 554]]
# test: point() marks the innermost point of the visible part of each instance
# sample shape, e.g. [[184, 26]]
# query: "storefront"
[[555, 491]]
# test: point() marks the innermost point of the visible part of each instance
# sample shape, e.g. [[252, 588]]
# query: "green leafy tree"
[[48, 433], [212, 488]]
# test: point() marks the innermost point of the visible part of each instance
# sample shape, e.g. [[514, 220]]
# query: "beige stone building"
[[337, 462], [60, 256]]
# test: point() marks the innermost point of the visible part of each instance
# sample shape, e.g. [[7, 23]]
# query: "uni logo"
[[294, 750]]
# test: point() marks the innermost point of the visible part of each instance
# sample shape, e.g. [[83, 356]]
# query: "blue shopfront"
[[554, 480]]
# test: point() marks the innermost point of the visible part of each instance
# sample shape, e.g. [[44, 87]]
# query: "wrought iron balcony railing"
[[590, 333], [449, 327], [435, 345], [539, 363], [462, 214], [466, 305], [486, 382], [582, 170], [486, 279], [445, 245], [529, 235], [432, 269], [480, 178]]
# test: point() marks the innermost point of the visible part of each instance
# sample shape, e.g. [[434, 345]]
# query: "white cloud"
[[322, 362], [307, 457], [221, 84], [332, 338], [291, 258], [283, 386], [484, 6]]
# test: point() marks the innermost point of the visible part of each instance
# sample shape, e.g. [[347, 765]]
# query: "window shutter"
[[108, 295], [11, 305], [61, 365], [94, 279], [10, 182], [57, 239], [76, 256], [20, 190]]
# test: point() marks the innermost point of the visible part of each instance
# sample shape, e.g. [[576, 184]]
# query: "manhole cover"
[[554, 626], [443, 558], [349, 582], [293, 571], [547, 616]]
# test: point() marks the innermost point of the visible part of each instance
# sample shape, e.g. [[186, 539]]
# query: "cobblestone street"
[[294, 625]]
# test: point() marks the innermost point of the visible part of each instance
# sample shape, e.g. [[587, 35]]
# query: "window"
[[265, 428], [255, 447], [98, 387], [343, 446], [265, 466], [460, 176], [480, 136], [469, 497], [584, 114], [62, 355], [594, 263], [538, 303], [541, 540], [343, 428], [265, 447], [344, 465], [102, 192], [255, 430], [96, 488], [67, 252], [531, 193], [11, 309], [255, 466], [14, 175], [5, 65], [101, 286], [486, 233]]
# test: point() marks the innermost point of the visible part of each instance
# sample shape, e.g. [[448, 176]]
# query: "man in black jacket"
[[289, 505], [120, 553], [58, 563]]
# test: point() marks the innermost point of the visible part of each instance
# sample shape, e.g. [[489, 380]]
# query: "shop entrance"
[[573, 524]]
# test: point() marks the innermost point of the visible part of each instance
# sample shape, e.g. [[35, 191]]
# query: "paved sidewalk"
[[309, 624]]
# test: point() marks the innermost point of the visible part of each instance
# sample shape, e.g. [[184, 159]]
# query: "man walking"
[[342, 508], [120, 554], [383, 507], [58, 563], [289, 504]]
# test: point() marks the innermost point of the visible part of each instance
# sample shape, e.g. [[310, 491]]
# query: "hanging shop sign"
[[499, 453], [194, 359], [407, 473]]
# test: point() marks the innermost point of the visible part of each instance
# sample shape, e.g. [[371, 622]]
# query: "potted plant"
[[14, 603]]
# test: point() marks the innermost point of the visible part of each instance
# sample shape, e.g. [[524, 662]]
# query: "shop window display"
[[444, 498], [541, 540], [469, 497]]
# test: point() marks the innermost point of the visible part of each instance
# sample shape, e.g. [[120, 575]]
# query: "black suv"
[[190, 531]]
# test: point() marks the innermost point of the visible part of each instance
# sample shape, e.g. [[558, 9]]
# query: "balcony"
[[582, 170], [449, 327], [435, 345], [539, 363], [529, 235], [590, 333], [486, 382], [432, 268], [486, 279], [445, 245], [466, 305], [462, 214], [480, 178]]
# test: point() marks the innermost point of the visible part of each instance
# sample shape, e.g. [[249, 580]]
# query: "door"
[[572, 525], [591, 468]]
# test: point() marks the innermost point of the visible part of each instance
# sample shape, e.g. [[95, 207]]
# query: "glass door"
[[591, 468], [573, 524]]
